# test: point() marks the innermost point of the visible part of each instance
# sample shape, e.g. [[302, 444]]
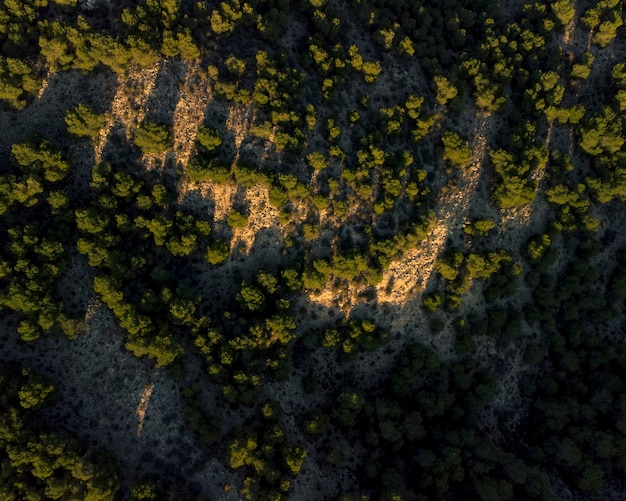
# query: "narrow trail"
[[45, 81], [128, 105], [414, 268], [142, 408]]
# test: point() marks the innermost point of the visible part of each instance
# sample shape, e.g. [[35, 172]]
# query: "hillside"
[[312, 250]]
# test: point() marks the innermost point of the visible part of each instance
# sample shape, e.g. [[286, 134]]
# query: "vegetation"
[[375, 244]]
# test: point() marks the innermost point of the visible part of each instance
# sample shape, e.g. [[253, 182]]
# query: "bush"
[[431, 302]]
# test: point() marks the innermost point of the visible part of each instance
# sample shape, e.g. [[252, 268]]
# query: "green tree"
[[208, 138], [448, 264], [602, 133], [83, 121], [42, 157], [35, 390], [218, 252], [455, 150], [445, 90], [152, 138], [563, 10], [236, 219], [251, 297]]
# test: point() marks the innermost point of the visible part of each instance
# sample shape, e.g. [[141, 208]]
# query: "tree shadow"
[[162, 101], [45, 115]]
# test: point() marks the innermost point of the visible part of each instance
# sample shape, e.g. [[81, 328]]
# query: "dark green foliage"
[[602, 134], [564, 11], [207, 427], [38, 464], [251, 297], [249, 176], [604, 18], [479, 227], [355, 183], [199, 169], [516, 186], [40, 157], [431, 302], [269, 459]]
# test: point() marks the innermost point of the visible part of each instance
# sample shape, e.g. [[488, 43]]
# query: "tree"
[[236, 219], [448, 265], [455, 150], [35, 390], [42, 157], [316, 160], [479, 228], [431, 302], [83, 121], [563, 10], [251, 297], [218, 252], [602, 133], [445, 90], [208, 138], [152, 138], [294, 457]]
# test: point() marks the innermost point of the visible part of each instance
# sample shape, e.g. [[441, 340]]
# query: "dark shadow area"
[[162, 101], [45, 115]]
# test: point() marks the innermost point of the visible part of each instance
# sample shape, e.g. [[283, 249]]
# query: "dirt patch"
[[195, 95], [128, 106]]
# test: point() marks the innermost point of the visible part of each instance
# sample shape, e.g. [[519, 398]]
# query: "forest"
[[322, 250]]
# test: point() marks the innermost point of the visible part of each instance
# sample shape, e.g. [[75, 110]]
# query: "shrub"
[[431, 302], [213, 170]]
